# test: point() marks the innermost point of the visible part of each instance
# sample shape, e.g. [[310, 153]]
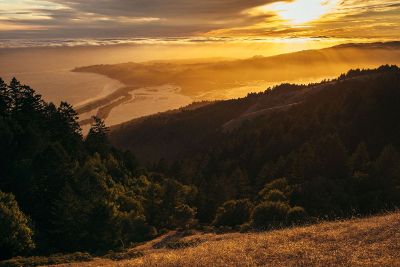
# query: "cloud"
[[96, 18], [163, 18], [171, 9]]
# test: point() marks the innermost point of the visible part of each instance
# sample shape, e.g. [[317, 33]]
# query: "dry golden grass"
[[361, 242]]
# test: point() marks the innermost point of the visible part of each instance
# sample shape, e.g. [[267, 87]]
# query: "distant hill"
[[208, 79], [218, 79], [175, 135], [372, 241], [336, 143]]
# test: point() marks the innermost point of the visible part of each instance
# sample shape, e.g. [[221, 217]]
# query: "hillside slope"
[[373, 241], [174, 136], [227, 79], [208, 80]]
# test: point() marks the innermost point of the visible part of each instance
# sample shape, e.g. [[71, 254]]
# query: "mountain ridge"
[[281, 97], [227, 79]]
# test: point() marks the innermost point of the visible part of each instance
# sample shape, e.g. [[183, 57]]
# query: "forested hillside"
[[287, 156], [332, 149], [60, 192]]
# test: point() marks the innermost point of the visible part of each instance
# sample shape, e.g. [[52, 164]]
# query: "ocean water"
[[46, 65], [64, 85], [49, 70], [148, 101]]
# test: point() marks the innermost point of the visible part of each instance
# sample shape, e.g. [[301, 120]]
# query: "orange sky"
[[362, 19]]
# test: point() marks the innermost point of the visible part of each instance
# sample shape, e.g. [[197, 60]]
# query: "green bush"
[[184, 216], [297, 215], [246, 227], [275, 196], [280, 184], [233, 213], [269, 214], [15, 234]]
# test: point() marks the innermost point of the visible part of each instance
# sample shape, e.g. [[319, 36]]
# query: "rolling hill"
[[336, 143], [218, 79], [175, 135], [200, 78], [372, 241]]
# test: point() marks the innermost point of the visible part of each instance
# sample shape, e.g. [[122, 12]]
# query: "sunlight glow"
[[302, 11]]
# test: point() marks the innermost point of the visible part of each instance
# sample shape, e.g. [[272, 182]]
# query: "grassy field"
[[360, 242]]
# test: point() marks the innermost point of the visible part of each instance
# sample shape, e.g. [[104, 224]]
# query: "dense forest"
[[332, 150], [333, 153], [60, 192]]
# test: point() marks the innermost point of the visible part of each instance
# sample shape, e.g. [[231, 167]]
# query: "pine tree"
[[15, 94], [306, 165], [70, 117], [387, 166], [241, 183], [334, 158], [96, 140], [359, 161], [5, 100]]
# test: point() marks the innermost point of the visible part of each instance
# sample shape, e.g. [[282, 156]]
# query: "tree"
[[241, 184], [184, 216], [276, 190], [306, 165], [96, 140], [387, 164], [359, 161], [70, 118], [233, 213], [334, 159], [387, 172], [15, 233], [52, 169], [297, 215], [275, 196], [174, 210], [15, 94], [5, 100], [133, 229], [86, 213], [269, 214]]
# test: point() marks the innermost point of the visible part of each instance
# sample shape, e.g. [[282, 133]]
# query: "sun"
[[302, 11]]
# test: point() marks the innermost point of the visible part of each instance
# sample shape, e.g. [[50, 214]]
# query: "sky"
[[363, 19]]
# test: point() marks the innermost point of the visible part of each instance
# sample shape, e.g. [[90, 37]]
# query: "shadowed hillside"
[[335, 143], [289, 156], [172, 136]]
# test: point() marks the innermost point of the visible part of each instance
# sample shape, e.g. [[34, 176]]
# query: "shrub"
[[126, 255], [51, 260], [297, 215], [233, 213], [134, 229], [246, 227], [280, 184], [269, 214], [275, 196], [184, 216], [15, 234]]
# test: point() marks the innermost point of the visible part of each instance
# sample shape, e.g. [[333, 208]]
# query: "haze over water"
[[41, 41], [51, 62]]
